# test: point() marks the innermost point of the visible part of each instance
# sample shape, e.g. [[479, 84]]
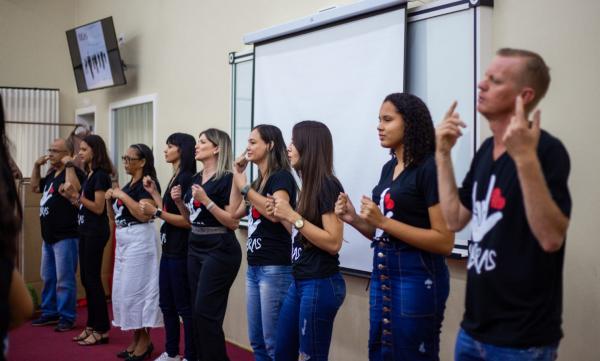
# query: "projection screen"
[[337, 74]]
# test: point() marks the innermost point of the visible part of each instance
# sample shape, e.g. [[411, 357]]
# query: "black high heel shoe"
[[143, 356], [124, 354]]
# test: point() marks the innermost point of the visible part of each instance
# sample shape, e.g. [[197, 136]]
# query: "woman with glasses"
[[214, 254], [135, 292]]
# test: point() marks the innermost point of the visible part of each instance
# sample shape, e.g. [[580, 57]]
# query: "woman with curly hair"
[[409, 282]]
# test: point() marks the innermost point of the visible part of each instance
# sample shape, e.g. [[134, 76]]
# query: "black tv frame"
[[112, 49]]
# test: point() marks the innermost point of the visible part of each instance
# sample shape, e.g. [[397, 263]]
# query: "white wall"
[[178, 49]]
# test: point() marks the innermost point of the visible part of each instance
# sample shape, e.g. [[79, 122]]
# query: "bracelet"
[[210, 205]]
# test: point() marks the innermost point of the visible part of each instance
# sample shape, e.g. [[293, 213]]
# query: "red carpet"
[[41, 343]]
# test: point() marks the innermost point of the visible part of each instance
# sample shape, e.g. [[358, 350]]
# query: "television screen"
[[95, 55]]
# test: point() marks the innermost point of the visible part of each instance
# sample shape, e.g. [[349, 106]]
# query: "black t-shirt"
[[218, 190], [174, 239], [58, 216], [90, 222], [408, 197], [269, 243], [514, 288], [136, 191], [309, 261]]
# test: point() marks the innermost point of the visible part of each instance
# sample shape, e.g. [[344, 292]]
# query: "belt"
[[126, 224], [198, 230]]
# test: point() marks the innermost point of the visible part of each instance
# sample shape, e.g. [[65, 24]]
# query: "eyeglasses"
[[128, 159], [51, 150]]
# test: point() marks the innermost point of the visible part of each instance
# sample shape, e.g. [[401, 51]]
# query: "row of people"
[[293, 283]]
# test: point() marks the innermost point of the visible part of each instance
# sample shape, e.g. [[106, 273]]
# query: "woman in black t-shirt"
[[94, 233], [174, 232], [318, 289], [269, 271], [135, 276], [409, 282], [214, 254]]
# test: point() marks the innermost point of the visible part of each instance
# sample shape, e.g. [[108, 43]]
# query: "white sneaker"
[[165, 357]]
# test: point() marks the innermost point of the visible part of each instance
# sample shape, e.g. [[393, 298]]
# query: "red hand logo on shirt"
[[119, 203], [51, 190], [497, 201], [255, 214], [388, 201], [197, 204]]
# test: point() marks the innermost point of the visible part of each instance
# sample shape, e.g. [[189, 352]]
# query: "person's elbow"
[[334, 246], [552, 243]]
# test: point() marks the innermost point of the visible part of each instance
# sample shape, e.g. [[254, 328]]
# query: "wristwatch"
[[299, 223], [244, 191], [69, 164], [158, 213]]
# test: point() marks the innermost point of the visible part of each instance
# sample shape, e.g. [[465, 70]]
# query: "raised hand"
[[108, 195], [147, 208], [149, 185], [520, 138], [176, 194], [68, 191], [270, 205], [117, 193], [344, 208], [199, 194], [283, 210], [370, 212], [240, 163], [449, 130], [42, 160], [66, 158]]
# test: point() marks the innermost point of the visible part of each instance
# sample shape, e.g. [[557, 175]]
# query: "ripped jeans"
[[306, 319], [408, 296]]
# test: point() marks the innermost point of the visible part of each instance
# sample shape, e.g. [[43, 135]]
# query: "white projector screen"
[[338, 75]]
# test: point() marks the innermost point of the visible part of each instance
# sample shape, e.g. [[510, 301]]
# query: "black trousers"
[[213, 264], [91, 250]]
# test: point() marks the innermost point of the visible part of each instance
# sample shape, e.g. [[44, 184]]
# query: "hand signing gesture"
[[176, 194], [344, 208], [147, 208], [449, 130], [370, 212], [520, 138], [149, 185], [283, 210], [199, 194]]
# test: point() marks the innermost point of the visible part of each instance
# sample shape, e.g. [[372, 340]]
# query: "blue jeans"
[[266, 287], [306, 319], [59, 264], [468, 349], [175, 301], [407, 299]]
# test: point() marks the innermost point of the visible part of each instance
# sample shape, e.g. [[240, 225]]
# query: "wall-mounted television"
[[95, 56]]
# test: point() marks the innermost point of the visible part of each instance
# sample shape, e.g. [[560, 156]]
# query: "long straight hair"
[[12, 213], [277, 158], [314, 144], [100, 158], [144, 152], [222, 141], [186, 144]]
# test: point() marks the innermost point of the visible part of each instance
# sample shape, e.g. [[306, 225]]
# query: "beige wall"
[[178, 50]]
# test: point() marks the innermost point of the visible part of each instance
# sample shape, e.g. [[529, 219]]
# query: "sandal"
[[97, 339], [84, 334]]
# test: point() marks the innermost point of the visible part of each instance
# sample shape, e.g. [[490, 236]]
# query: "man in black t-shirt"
[[517, 201], [58, 218]]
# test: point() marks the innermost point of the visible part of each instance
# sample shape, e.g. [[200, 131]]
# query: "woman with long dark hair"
[[409, 282], [269, 271], [94, 233], [318, 290], [15, 301], [135, 277], [174, 232], [214, 254]]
